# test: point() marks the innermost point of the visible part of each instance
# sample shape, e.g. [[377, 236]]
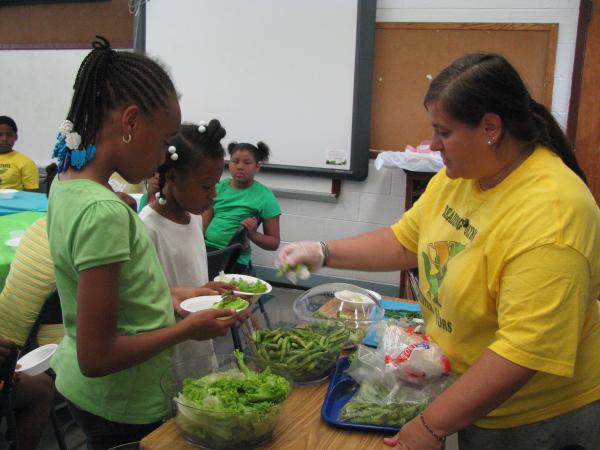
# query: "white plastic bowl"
[[7, 193], [225, 278], [37, 361], [201, 303]]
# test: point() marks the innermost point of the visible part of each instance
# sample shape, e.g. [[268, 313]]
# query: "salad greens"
[[232, 302], [232, 409], [252, 287], [294, 273], [307, 353]]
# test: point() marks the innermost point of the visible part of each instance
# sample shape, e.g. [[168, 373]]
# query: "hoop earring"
[[126, 140]]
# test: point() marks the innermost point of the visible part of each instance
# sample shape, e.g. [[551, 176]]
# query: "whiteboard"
[[287, 72]]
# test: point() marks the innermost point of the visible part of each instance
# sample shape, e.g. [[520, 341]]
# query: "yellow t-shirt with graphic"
[[17, 171], [515, 269]]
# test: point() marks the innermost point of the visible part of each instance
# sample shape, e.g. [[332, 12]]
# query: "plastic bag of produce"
[[410, 356], [384, 400]]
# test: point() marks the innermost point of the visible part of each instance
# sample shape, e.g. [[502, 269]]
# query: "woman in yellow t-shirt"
[[507, 242]]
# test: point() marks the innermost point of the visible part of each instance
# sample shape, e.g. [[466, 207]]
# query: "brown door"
[[587, 132]]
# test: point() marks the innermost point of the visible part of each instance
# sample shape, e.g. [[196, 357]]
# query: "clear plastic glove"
[[309, 253]]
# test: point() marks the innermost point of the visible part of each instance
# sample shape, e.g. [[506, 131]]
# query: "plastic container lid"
[[355, 306]]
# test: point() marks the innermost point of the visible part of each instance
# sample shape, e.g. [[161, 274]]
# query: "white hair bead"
[[174, 156], [201, 129], [172, 149], [162, 201]]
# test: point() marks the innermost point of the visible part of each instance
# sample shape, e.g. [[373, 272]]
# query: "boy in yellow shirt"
[[17, 171]]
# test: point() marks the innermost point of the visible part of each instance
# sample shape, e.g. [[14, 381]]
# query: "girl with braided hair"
[[186, 188], [116, 302]]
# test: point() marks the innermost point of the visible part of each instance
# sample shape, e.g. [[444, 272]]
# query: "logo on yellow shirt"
[[435, 265]]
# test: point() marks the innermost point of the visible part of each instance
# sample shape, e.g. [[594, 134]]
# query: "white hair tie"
[[173, 152]]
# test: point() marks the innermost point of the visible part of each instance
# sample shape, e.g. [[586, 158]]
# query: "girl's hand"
[[205, 325], [178, 295], [251, 224], [309, 253], [219, 286], [413, 436]]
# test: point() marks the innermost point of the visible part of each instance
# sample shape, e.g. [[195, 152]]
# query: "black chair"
[[51, 171], [7, 401], [51, 313], [222, 259]]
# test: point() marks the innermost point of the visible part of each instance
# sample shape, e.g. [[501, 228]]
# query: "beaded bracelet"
[[325, 250], [433, 433]]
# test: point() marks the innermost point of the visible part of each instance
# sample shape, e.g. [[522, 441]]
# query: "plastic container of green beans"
[[356, 308]]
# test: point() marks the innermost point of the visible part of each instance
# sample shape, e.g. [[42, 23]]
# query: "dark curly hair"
[[193, 148], [260, 151]]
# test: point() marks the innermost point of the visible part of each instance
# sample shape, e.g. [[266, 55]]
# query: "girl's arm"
[[485, 386], [206, 218], [270, 239], [100, 351]]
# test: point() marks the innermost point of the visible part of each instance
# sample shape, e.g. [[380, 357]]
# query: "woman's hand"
[[307, 252], [413, 436], [206, 324]]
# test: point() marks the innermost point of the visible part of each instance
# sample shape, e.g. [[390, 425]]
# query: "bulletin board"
[[72, 25], [406, 53]]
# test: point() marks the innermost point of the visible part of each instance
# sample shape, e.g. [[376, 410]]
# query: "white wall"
[[29, 76], [379, 201]]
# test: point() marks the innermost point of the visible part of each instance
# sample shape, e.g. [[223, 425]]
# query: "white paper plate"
[[225, 278], [37, 361], [14, 242], [201, 303]]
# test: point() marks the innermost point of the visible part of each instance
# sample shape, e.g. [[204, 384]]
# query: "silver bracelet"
[[325, 250]]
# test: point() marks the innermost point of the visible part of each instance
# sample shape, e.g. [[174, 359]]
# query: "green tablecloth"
[[8, 223]]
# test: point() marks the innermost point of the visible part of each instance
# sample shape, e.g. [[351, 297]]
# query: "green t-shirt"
[[89, 226], [231, 206]]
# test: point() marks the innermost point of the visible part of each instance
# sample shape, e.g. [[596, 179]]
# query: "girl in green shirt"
[[117, 306]]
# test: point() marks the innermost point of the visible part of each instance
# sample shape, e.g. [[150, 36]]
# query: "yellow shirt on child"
[[514, 269], [17, 171]]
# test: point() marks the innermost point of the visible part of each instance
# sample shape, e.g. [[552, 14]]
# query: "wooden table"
[[299, 427]]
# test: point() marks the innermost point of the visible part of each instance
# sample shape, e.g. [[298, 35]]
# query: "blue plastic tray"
[[371, 337], [341, 389]]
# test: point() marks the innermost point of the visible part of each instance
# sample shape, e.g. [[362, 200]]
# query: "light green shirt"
[[89, 226], [232, 206]]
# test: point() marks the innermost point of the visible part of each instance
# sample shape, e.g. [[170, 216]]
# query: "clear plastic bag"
[[398, 379], [410, 356]]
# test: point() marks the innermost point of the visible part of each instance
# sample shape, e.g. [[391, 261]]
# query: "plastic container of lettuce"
[[220, 403]]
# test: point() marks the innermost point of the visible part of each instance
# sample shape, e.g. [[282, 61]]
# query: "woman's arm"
[[270, 239], [206, 218], [97, 311], [486, 385]]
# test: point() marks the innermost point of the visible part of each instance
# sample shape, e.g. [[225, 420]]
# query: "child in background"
[[243, 200], [186, 188], [116, 303], [17, 171]]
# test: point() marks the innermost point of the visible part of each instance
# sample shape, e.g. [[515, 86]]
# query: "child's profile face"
[[243, 167], [8, 137], [194, 190]]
